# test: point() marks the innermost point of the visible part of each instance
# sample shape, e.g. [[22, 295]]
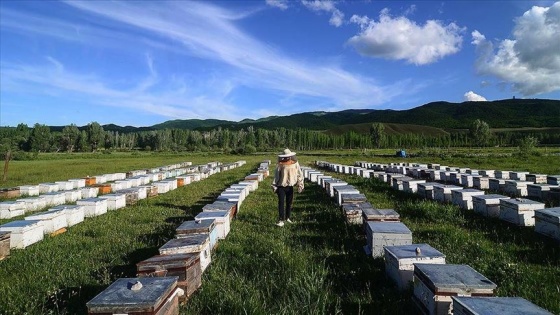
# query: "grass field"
[[315, 266]]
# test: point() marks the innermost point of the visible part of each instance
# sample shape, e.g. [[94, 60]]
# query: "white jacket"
[[288, 174]]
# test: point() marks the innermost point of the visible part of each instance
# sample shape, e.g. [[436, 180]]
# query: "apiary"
[[502, 174], [72, 195], [547, 222], [4, 244], [33, 204], [222, 221], [30, 190], [426, 190], [199, 227], [138, 296], [398, 182], [481, 182], [497, 184], [520, 176], [64, 185], [466, 305], [113, 201], [488, 205], [162, 187], [553, 179], [220, 205], [53, 221], [400, 260], [435, 284], [442, 193], [193, 243], [346, 189], [184, 266], [93, 206], [516, 188], [88, 192], [381, 234], [463, 197], [23, 232], [47, 188], [519, 211]]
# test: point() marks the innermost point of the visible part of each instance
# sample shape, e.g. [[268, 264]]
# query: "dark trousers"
[[285, 200]]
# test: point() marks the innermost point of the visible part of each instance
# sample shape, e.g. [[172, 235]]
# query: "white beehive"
[[411, 185], [426, 190], [52, 220], [47, 187], [88, 192], [381, 234], [114, 201], [23, 232], [536, 178], [553, 179], [162, 187], [518, 175], [142, 192], [252, 184], [502, 174], [435, 174], [442, 193], [466, 305], [222, 221], [398, 182], [463, 197], [488, 205], [400, 260], [33, 204], [54, 198], [516, 188], [481, 182], [72, 195], [124, 184], [487, 173], [467, 180], [496, 184], [65, 185], [347, 189], [331, 184], [74, 213], [547, 222], [29, 190], [193, 243], [78, 182], [100, 179], [10, 209], [172, 183], [519, 211], [435, 284], [93, 206]]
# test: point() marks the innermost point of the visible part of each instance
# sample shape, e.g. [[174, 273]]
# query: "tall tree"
[[96, 135], [480, 133], [377, 134], [40, 138], [70, 135]]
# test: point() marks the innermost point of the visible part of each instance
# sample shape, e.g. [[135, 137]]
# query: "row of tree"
[[92, 137]]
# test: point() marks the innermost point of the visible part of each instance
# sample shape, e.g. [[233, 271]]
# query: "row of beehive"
[[176, 273], [22, 233], [438, 288]]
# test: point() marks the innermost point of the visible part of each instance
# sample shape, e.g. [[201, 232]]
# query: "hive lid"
[[94, 199], [388, 227], [45, 215], [190, 227], [373, 214], [211, 214], [451, 278], [491, 196], [549, 214], [413, 251], [119, 297], [499, 305], [187, 241], [19, 225], [167, 261]]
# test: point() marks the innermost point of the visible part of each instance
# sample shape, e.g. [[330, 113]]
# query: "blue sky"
[[140, 63]]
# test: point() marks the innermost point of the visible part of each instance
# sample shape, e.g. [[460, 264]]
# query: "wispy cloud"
[[337, 17]]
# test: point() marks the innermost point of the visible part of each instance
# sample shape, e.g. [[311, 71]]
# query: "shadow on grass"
[[70, 300]]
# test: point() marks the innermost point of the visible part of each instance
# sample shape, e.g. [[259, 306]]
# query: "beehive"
[[547, 222], [90, 181], [72, 195], [520, 176], [497, 184], [33, 204], [74, 213], [93, 206], [381, 234], [426, 190], [220, 205], [352, 198], [398, 182], [54, 198], [536, 178], [411, 185], [502, 174], [487, 173], [553, 179], [30, 190], [352, 212], [10, 209], [331, 184], [53, 221], [519, 211], [538, 191], [516, 188], [23, 232], [104, 189], [488, 205], [465, 305], [371, 214], [346, 189], [151, 190], [199, 227], [64, 185], [222, 221], [47, 187], [435, 284], [481, 182], [400, 260], [193, 243], [463, 197], [442, 193], [78, 182], [131, 196], [114, 201], [162, 187]]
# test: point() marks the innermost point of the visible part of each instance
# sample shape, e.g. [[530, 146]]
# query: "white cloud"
[[471, 96], [530, 62], [337, 17], [281, 4], [410, 10], [402, 39]]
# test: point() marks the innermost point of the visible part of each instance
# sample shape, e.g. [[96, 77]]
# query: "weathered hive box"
[[114, 201], [370, 214], [384, 177], [553, 179], [72, 195], [30, 190], [93, 206], [255, 176], [536, 178], [400, 260], [481, 182], [497, 184], [194, 243], [313, 176], [78, 182], [33, 204], [391, 176], [23, 232], [64, 185], [330, 185], [353, 198], [54, 198], [434, 285], [236, 192], [184, 266], [488, 205], [156, 296], [463, 197], [222, 221], [151, 190], [47, 188], [90, 181], [380, 234], [243, 187], [183, 180], [73, 214], [321, 180], [518, 175], [132, 195], [516, 188], [442, 193], [538, 191], [502, 174], [53, 221], [103, 189], [9, 193], [199, 227], [88, 192], [162, 187], [397, 182], [464, 305], [426, 190], [467, 180], [411, 185], [346, 189], [519, 211], [352, 212], [4, 244], [547, 222]]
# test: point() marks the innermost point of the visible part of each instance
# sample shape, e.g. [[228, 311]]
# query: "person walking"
[[287, 175]]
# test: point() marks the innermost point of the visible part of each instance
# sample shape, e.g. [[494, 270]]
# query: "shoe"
[[289, 221], [280, 223]]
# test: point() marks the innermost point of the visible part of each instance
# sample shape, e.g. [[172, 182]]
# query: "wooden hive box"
[[9, 193], [114, 201], [463, 197], [72, 195], [157, 296], [516, 188], [222, 221], [465, 305], [199, 227], [547, 222], [131, 196], [90, 181], [194, 243], [220, 205], [520, 176], [381, 234], [162, 187], [397, 182], [74, 213], [481, 182], [47, 188], [435, 284], [426, 190], [184, 266], [151, 190], [23, 232], [411, 185], [502, 174], [345, 189], [10, 209], [488, 205], [93, 206], [4, 244], [331, 184], [103, 189], [519, 211], [442, 193], [369, 213], [352, 198], [553, 179], [30, 190], [400, 260], [352, 213], [53, 221], [536, 178], [33, 204]]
